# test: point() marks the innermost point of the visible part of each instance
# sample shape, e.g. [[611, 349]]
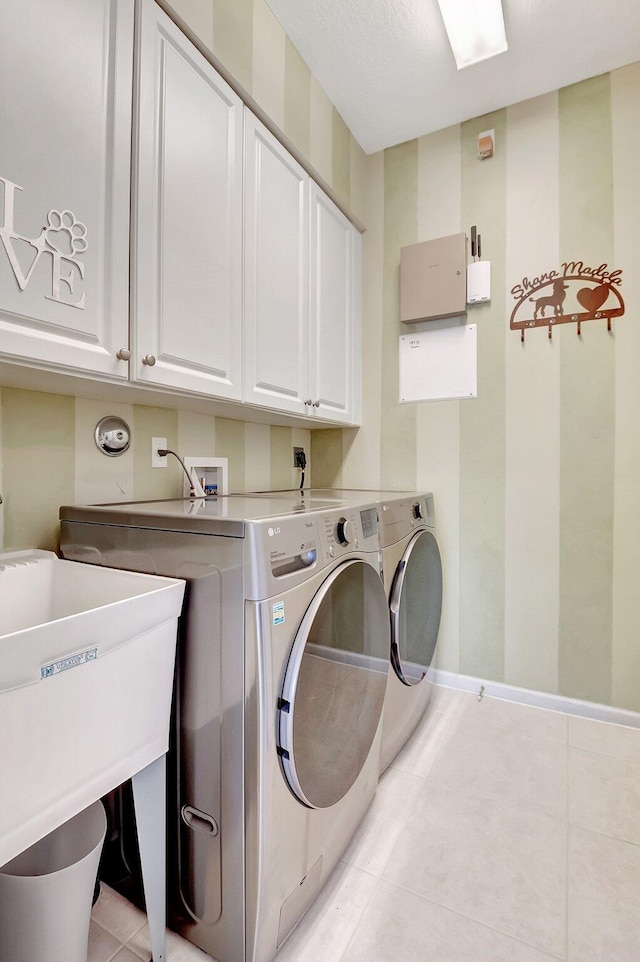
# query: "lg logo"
[[272, 531]]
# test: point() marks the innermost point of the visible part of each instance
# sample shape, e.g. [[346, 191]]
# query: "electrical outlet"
[[156, 460], [297, 452]]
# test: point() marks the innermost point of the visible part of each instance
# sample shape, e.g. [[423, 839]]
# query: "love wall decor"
[[572, 295]]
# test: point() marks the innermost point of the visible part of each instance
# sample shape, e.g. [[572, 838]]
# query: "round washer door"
[[416, 606], [334, 685]]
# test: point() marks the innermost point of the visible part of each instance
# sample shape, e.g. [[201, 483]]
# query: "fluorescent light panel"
[[475, 29]]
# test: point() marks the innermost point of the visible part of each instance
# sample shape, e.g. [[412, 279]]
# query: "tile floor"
[[501, 833]]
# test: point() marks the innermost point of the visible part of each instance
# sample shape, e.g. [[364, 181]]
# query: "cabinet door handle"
[[316, 404], [149, 360], [123, 354], [309, 401]]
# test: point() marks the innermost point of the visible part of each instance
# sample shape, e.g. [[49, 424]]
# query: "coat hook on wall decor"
[[561, 297]]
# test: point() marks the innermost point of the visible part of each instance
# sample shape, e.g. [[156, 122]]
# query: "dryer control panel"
[[398, 517]]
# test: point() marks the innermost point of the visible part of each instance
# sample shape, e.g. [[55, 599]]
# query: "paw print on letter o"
[[65, 234]]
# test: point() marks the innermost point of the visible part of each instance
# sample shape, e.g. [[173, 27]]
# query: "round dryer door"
[[334, 685], [416, 605]]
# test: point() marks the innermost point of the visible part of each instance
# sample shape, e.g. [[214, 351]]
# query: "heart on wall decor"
[[592, 298]]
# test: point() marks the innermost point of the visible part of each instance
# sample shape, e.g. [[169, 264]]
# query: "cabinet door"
[[65, 122], [187, 268], [334, 322], [276, 273]]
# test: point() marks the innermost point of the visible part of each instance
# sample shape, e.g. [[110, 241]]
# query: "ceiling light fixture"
[[475, 29]]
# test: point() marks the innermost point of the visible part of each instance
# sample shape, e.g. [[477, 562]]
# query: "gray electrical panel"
[[433, 279]]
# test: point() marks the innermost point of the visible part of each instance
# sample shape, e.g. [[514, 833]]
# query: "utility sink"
[[87, 657]]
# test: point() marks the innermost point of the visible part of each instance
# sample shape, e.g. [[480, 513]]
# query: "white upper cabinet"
[[276, 223], [65, 134], [334, 318], [205, 261], [302, 299], [187, 238]]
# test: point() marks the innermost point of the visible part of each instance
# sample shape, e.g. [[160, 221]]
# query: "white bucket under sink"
[[87, 658]]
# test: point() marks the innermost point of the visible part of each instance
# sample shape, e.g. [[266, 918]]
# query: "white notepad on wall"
[[439, 364]]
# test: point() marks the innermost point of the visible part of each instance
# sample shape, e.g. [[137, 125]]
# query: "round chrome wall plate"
[[112, 436]]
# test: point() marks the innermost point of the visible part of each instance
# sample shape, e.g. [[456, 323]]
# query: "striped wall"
[[532, 442], [49, 457], [587, 391], [625, 655], [482, 423], [47, 453], [537, 481], [438, 425]]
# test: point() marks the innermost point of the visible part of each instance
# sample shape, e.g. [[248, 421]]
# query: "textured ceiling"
[[388, 68]]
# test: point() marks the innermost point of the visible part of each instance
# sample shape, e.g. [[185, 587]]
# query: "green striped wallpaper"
[[37, 432], [438, 425], [587, 395], [49, 458], [536, 481], [532, 394], [625, 126], [297, 99], [398, 422], [482, 422]]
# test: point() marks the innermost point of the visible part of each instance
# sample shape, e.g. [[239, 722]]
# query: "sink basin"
[[86, 674]]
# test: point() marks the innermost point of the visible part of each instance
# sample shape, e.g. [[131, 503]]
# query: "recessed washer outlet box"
[[209, 476]]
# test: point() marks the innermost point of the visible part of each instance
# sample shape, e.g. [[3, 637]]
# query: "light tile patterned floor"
[[119, 933], [501, 833]]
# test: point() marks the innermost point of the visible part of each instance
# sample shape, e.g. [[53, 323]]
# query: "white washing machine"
[[282, 673], [413, 580]]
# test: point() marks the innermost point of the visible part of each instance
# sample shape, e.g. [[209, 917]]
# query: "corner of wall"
[[326, 458]]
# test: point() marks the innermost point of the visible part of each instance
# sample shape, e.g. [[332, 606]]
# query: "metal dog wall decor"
[[563, 297]]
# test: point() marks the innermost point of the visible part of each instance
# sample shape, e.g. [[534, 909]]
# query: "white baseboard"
[[538, 699]]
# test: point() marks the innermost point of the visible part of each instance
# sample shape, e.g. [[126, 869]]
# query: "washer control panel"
[[351, 528], [287, 549]]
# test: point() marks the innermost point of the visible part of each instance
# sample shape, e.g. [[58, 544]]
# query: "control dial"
[[417, 510], [344, 531]]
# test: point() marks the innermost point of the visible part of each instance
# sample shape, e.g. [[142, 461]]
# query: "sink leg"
[[149, 794]]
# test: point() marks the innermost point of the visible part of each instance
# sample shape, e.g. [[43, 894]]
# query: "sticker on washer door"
[[278, 613]]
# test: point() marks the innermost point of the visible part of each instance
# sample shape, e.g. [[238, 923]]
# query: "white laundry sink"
[[86, 674]]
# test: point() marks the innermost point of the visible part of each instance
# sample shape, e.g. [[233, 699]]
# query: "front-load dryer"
[[413, 579], [282, 673]]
